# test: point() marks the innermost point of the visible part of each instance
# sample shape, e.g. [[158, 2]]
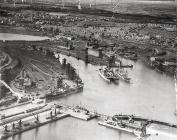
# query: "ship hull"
[[104, 77], [108, 79], [66, 93], [126, 129]]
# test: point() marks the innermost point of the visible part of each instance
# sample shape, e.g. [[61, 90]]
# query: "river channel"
[[150, 95]]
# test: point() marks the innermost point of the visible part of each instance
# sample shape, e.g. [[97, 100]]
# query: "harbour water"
[[150, 95]]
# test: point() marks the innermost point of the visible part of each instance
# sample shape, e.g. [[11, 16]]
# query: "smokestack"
[[95, 3], [90, 5], [63, 3], [14, 3], [79, 5]]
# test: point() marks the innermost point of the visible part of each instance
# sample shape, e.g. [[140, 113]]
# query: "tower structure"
[[90, 4], [79, 5], [63, 3]]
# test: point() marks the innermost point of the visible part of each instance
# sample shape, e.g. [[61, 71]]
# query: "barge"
[[78, 112], [130, 126]]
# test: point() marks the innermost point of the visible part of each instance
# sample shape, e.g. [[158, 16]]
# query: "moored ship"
[[137, 128], [65, 92], [108, 74]]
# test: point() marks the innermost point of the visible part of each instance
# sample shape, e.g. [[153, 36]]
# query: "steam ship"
[[108, 74], [127, 124], [57, 94]]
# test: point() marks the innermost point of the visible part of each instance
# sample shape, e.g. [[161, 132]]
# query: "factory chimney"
[[90, 5], [14, 2], [79, 5]]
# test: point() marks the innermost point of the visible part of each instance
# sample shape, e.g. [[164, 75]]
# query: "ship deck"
[[126, 129]]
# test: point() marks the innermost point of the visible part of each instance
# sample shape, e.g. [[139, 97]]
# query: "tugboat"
[[108, 74]]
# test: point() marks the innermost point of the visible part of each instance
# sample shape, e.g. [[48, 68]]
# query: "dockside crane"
[[5, 128], [54, 109], [13, 125], [19, 123], [36, 116], [51, 115]]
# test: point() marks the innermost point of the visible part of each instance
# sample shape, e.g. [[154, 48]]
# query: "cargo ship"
[[65, 92], [108, 74]]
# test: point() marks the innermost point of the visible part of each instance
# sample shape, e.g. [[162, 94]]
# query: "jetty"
[[37, 116]]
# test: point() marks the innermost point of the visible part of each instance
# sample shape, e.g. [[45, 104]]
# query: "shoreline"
[[80, 54]]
